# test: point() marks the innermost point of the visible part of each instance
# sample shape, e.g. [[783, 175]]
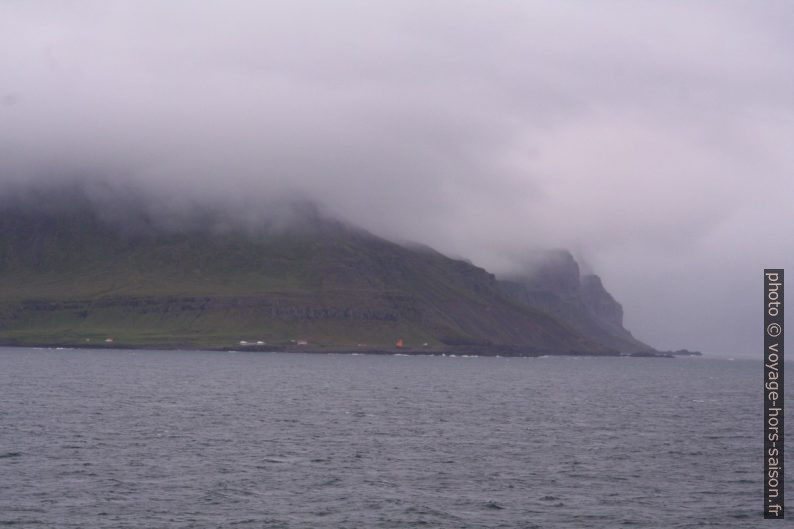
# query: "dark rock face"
[[557, 272], [554, 285], [600, 303]]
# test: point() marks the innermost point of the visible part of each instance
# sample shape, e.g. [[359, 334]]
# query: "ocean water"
[[188, 439]]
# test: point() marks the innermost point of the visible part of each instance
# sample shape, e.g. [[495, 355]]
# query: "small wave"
[[10, 454]]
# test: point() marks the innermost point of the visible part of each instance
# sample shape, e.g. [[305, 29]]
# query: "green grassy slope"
[[69, 277]]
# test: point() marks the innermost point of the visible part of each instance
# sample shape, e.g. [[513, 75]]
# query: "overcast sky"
[[653, 139]]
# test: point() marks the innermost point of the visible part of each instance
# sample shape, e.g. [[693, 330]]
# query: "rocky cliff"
[[553, 283]]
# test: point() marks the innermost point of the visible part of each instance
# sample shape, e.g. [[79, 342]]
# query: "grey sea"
[[190, 439]]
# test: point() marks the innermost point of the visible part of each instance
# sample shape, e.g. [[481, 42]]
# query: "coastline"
[[479, 351]]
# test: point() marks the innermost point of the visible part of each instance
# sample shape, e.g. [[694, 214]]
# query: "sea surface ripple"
[[188, 439]]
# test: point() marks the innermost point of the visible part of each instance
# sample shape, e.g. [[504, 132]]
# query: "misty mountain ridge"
[[98, 265], [554, 284]]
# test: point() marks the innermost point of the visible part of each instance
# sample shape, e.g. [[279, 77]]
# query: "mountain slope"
[[555, 285], [70, 274]]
